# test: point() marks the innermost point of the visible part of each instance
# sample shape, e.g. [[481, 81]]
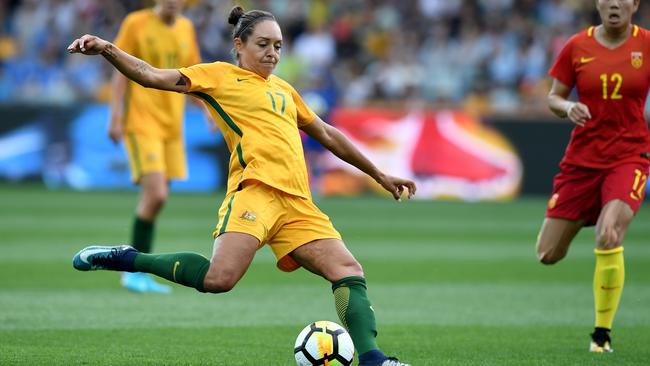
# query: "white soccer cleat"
[[606, 347], [392, 361]]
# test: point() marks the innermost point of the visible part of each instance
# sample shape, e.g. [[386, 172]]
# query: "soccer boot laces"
[[92, 258]]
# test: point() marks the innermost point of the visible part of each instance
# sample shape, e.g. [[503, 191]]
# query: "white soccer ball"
[[324, 343]]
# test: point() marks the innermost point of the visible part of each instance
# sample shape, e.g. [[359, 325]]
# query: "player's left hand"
[[396, 186]]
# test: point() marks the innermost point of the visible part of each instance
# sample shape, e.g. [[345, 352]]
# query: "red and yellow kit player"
[[604, 171], [613, 84]]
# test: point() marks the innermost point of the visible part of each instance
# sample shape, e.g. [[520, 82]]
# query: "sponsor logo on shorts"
[[248, 216], [553, 201], [152, 157]]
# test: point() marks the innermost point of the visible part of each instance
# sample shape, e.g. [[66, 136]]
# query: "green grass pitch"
[[451, 284]]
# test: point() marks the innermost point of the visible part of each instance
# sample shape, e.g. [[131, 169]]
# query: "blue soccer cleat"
[[155, 287], [118, 258], [133, 281], [142, 283]]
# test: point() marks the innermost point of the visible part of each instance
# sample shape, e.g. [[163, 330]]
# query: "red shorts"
[[580, 193]]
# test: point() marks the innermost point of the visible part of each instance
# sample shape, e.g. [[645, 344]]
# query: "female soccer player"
[[268, 198], [605, 168], [151, 121]]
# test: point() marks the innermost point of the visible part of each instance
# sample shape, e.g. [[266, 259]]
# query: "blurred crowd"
[[487, 56]]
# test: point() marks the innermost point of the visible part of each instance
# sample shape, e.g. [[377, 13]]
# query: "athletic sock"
[[185, 268], [356, 313], [142, 235], [600, 336], [608, 285]]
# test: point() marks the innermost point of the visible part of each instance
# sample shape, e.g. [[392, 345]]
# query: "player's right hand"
[[88, 45], [396, 186], [578, 113], [115, 131]]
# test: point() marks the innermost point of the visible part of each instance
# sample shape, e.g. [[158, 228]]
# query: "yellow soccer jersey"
[[144, 35], [259, 119]]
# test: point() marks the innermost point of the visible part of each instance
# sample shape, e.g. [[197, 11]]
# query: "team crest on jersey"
[[248, 216], [637, 59], [553, 201]]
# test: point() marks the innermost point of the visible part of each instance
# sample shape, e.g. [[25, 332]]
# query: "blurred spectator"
[[487, 55]]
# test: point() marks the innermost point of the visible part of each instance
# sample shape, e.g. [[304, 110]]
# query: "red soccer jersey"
[[613, 84]]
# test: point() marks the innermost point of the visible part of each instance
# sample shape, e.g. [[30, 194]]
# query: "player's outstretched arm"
[[336, 142], [559, 104], [132, 67]]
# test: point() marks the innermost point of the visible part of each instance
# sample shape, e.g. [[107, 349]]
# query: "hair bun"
[[236, 13]]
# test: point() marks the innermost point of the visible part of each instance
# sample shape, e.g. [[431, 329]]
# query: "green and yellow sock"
[[609, 278], [356, 313], [185, 268], [142, 235]]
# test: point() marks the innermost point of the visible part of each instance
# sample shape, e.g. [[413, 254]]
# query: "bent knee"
[[549, 257], [342, 270], [608, 238], [157, 199], [356, 269], [219, 284], [152, 204]]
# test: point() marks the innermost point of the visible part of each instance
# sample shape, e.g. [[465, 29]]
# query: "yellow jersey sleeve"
[[203, 77], [305, 115], [126, 37]]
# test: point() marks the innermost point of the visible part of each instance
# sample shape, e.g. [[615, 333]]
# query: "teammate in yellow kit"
[[268, 199], [150, 121]]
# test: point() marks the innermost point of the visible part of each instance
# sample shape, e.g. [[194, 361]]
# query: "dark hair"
[[245, 22]]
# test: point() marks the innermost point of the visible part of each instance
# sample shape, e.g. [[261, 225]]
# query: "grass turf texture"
[[451, 283]]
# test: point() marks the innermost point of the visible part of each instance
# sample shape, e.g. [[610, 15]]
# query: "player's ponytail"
[[244, 22], [235, 14]]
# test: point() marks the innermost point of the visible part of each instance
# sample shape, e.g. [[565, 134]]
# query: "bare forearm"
[[340, 146], [336, 142], [559, 106], [132, 67]]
